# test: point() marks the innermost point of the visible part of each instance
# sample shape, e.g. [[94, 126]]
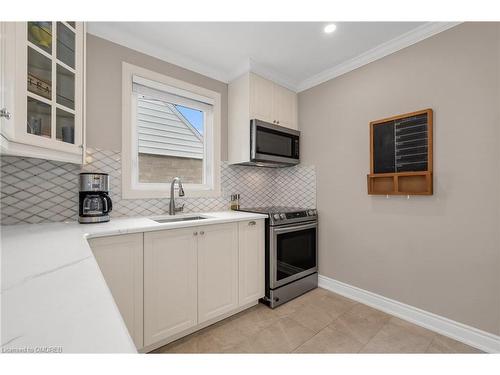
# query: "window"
[[170, 136], [170, 129]]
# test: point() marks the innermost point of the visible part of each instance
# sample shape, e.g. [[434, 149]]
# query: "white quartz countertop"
[[53, 295]]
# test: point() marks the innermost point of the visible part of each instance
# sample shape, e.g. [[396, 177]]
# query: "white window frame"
[[131, 187]]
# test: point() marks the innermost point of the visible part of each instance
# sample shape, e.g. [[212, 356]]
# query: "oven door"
[[273, 144], [293, 252]]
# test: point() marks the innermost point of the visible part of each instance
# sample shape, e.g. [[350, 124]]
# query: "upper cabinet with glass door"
[[45, 98]]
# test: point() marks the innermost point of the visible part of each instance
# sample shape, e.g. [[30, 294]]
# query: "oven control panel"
[[294, 215], [282, 218]]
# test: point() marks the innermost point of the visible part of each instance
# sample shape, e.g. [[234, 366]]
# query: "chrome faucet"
[[171, 208]]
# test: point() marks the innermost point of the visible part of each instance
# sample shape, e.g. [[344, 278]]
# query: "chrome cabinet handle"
[[202, 233], [5, 113], [251, 223], [195, 233]]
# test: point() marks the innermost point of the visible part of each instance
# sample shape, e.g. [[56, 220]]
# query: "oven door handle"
[[293, 228]]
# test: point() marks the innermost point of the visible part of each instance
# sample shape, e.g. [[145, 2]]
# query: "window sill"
[[161, 194]]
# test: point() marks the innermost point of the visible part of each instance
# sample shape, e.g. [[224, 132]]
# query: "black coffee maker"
[[94, 203]]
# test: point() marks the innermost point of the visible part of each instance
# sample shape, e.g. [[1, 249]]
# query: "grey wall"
[[440, 253], [104, 85]]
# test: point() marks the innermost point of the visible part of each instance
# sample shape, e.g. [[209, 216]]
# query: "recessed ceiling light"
[[330, 28]]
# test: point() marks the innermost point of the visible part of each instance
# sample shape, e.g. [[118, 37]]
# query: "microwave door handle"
[[253, 140]]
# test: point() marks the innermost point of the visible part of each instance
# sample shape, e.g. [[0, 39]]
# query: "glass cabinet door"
[[51, 80]]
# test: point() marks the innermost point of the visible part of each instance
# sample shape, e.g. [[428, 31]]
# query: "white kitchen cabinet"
[[170, 283], [217, 270], [254, 97], [251, 266], [120, 259], [265, 100], [42, 94], [261, 98], [285, 107], [271, 102]]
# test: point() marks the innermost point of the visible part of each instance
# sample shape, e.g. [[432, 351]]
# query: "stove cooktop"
[[273, 209], [279, 215]]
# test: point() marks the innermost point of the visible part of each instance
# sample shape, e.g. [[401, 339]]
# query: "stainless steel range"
[[291, 252]]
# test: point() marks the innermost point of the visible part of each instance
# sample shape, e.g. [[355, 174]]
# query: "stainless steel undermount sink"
[[180, 218]]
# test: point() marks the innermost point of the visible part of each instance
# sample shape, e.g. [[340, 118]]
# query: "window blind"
[[162, 129]]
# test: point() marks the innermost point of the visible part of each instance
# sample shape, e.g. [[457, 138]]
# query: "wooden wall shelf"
[[401, 155], [404, 183]]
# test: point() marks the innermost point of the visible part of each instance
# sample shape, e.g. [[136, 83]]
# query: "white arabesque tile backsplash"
[[37, 190]]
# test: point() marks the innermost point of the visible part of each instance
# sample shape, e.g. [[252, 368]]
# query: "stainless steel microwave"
[[273, 145]]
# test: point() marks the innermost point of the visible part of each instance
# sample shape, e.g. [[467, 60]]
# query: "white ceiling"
[[296, 54]]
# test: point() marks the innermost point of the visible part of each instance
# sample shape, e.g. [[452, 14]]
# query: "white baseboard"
[[482, 340]]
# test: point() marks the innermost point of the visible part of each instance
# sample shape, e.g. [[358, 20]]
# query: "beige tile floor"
[[317, 322]]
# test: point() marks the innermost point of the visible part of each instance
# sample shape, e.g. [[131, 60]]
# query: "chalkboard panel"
[[384, 148], [401, 144], [401, 155], [411, 136]]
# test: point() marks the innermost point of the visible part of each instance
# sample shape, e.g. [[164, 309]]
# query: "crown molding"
[[273, 75], [241, 69], [106, 31], [405, 40], [264, 71], [126, 39]]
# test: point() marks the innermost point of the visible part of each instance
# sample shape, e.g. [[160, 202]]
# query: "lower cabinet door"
[[217, 270], [170, 283], [251, 261], [120, 260]]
